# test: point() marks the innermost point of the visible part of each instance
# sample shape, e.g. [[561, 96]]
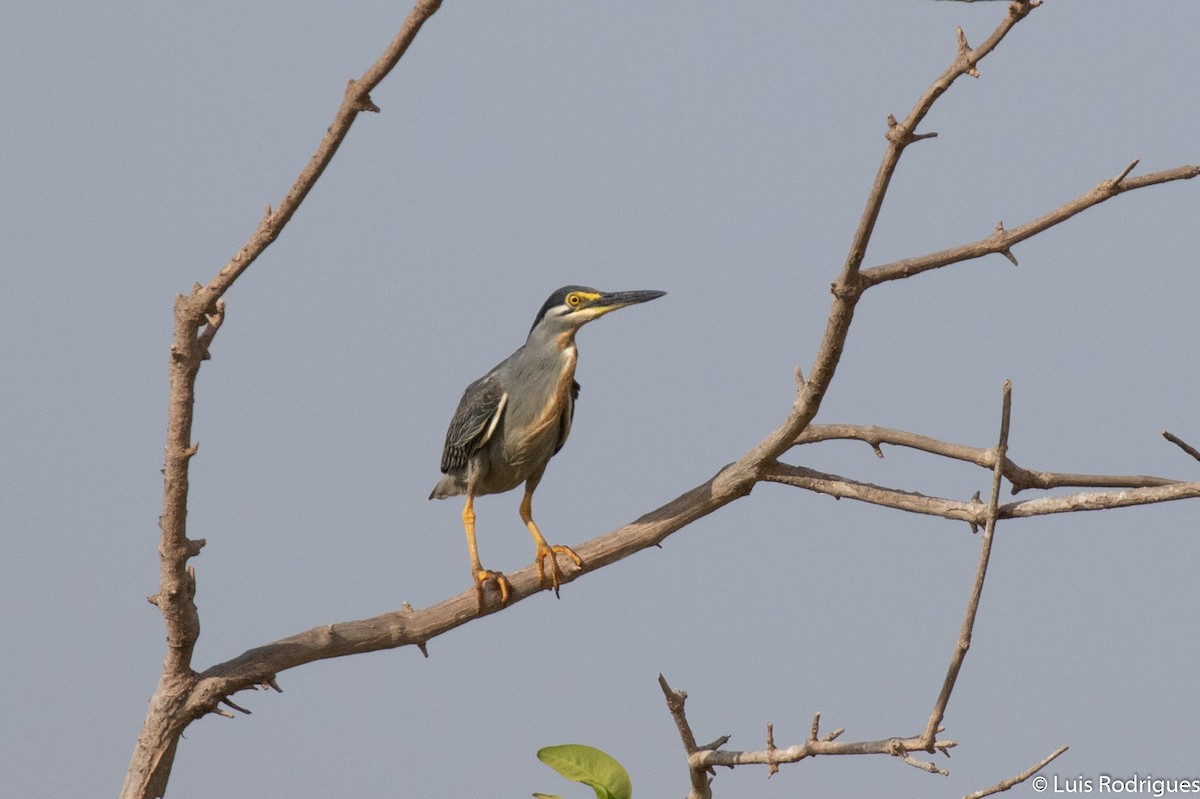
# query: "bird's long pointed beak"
[[623, 298], [612, 300]]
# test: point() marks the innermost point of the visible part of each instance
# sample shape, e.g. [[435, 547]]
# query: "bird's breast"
[[532, 433]]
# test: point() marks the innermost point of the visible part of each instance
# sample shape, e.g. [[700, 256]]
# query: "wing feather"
[[564, 422], [479, 413]]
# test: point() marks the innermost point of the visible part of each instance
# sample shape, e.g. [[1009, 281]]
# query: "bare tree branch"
[[1100, 500], [198, 316], [896, 747], [699, 775], [355, 100], [968, 511], [849, 286], [702, 759], [1183, 445], [1021, 479], [985, 553], [183, 695], [1002, 241], [1004, 785]]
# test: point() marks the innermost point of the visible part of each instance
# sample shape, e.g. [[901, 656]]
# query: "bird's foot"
[[483, 576], [549, 552]]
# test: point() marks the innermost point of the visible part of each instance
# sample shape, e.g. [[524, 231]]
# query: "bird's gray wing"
[[479, 411], [568, 415]]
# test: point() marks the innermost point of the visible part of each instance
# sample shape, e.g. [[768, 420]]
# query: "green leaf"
[[537, 795], [589, 765]]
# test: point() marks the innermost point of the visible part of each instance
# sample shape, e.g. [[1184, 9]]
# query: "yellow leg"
[[544, 550], [479, 574]]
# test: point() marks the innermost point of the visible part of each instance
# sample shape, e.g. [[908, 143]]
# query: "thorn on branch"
[[1112, 186], [421, 645], [816, 726], [901, 136], [153, 599], [846, 291], [799, 379], [895, 132], [998, 237], [269, 682], [192, 450], [209, 332], [1125, 173], [1019, 8], [772, 766], [964, 55], [194, 545], [359, 101], [235, 706]]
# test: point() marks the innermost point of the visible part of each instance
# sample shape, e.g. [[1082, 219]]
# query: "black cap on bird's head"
[[576, 305]]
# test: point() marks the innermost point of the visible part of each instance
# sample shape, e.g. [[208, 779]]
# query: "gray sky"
[[719, 152]]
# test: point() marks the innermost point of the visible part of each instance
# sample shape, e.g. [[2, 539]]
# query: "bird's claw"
[[548, 552], [488, 576]]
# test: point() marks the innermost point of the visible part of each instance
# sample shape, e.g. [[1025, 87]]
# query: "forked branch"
[[702, 759], [1003, 240], [198, 317], [184, 695]]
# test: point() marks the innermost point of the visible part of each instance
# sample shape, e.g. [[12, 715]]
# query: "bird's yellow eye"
[[573, 300]]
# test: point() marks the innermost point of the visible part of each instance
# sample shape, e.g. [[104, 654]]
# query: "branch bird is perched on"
[[514, 419]]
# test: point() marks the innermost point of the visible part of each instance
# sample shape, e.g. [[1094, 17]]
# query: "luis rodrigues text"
[[1134, 784]]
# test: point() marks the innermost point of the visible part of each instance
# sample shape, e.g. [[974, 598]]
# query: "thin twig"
[[985, 553], [702, 759], [355, 100], [1183, 445], [1004, 785], [895, 747], [699, 774], [1003, 240], [971, 511], [1020, 478]]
